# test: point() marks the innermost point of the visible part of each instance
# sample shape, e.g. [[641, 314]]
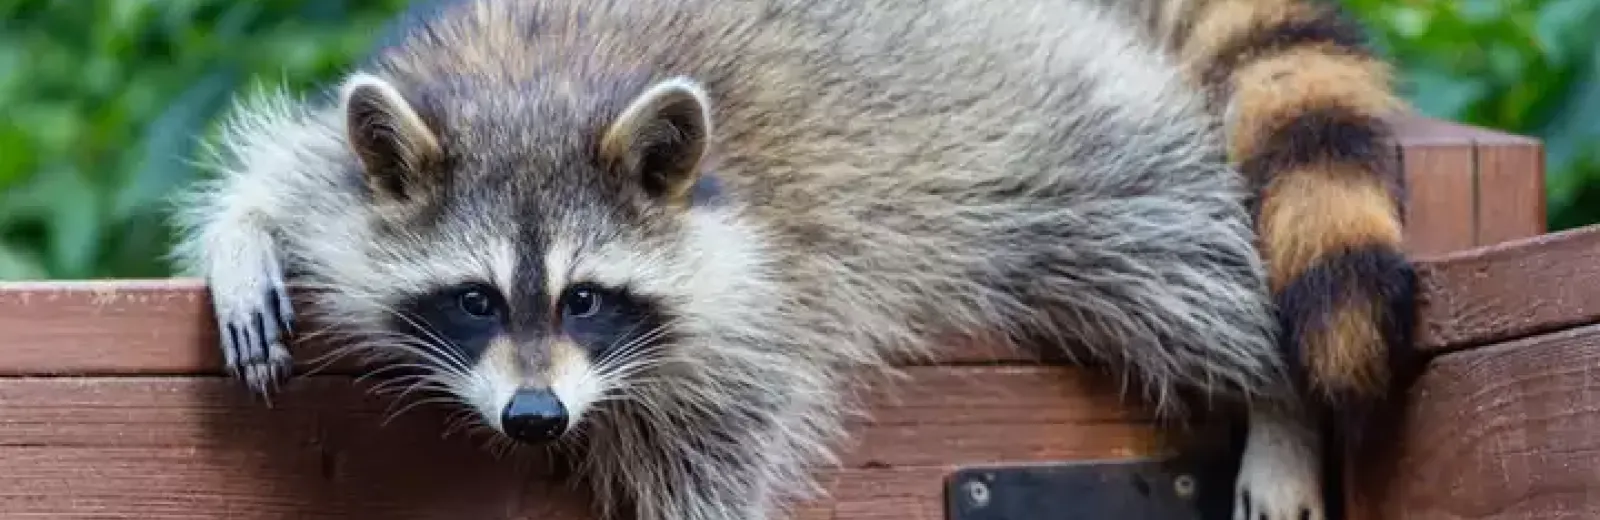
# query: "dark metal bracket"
[[1166, 489]]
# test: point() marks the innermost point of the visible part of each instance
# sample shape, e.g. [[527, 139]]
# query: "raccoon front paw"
[[1278, 475], [254, 319]]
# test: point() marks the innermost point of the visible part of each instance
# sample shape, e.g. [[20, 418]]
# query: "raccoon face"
[[524, 304], [532, 377]]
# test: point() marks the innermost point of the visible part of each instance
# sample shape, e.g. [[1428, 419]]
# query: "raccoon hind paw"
[[1278, 476]]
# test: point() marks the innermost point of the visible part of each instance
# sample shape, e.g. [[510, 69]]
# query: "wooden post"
[[112, 401], [1468, 187]]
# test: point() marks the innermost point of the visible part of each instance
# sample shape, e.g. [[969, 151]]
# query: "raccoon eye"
[[476, 303], [581, 302]]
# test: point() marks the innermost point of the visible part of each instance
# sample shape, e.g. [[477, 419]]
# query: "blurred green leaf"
[[1446, 93], [170, 141], [20, 263], [75, 216]]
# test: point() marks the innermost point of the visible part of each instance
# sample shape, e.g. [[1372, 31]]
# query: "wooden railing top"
[[165, 326], [1417, 130]]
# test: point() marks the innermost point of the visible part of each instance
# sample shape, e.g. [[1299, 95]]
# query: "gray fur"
[[890, 171]]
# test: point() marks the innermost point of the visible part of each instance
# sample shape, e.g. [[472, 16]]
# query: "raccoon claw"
[[1277, 478], [253, 335]]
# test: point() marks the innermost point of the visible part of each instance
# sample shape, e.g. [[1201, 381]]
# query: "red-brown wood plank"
[[1509, 290], [107, 327], [1504, 432], [164, 327], [1441, 213], [197, 447], [1511, 189]]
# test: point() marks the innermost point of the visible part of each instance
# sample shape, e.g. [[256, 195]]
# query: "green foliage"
[[101, 101], [1529, 67]]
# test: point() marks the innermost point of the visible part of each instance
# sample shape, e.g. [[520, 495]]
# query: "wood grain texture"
[[1505, 432], [1510, 290], [196, 447], [1441, 213], [107, 327], [1511, 191], [1468, 186]]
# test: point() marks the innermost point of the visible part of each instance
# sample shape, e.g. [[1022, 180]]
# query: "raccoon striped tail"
[[1303, 103]]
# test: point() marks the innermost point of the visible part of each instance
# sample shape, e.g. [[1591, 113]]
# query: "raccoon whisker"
[[615, 372], [326, 360], [618, 344], [466, 422], [369, 344], [378, 371], [397, 392], [434, 383], [459, 420], [450, 353], [410, 383], [627, 353], [450, 350], [488, 436], [618, 381], [415, 404], [620, 374], [630, 380], [400, 378], [628, 343], [315, 334], [497, 445], [394, 365], [624, 359], [424, 350], [334, 354], [412, 379], [635, 358]]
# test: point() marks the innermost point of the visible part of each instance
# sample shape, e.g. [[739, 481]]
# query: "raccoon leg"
[[239, 260], [1278, 475], [228, 232], [253, 310]]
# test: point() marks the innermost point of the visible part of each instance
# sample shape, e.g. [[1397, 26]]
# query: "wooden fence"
[[112, 403]]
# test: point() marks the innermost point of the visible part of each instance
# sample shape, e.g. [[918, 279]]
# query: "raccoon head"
[[530, 252]]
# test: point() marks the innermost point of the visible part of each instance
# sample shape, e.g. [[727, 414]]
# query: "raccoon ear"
[[661, 138], [395, 145]]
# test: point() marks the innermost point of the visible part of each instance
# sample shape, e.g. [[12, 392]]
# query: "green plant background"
[[101, 101]]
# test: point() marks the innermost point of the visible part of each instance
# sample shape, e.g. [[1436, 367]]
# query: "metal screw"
[[978, 492], [1183, 485]]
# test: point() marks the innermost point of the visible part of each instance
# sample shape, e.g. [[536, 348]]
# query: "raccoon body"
[[673, 236]]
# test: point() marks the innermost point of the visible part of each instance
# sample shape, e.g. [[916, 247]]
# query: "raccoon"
[[674, 236]]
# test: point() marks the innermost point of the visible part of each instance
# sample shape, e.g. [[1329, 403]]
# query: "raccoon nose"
[[534, 416]]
